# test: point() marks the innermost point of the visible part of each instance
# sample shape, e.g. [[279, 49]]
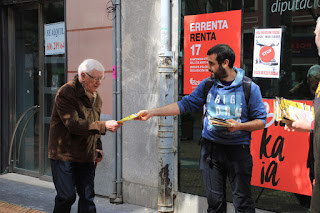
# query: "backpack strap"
[[246, 84], [207, 86]]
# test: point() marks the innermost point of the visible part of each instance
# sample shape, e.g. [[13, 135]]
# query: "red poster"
[[280, 157], [201, 32]]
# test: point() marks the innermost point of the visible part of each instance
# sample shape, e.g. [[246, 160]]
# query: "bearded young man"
[[225, 151]]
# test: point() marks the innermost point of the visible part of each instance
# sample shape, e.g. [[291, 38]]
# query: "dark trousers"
[[69, 178], [217, 162]]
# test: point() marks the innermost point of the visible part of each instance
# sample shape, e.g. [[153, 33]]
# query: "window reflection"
[[54, 74]]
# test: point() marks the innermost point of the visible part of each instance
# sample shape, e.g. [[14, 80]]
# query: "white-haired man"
[[74, 138]]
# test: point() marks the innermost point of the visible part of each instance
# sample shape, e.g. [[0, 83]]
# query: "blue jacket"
[[227, 102]]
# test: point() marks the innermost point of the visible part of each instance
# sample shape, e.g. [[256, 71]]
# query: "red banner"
[[201, 32], [280, 157]]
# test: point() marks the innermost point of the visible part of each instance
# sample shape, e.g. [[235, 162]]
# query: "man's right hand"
[[300, 125], [112, 125], [143, 115], [168, 110]]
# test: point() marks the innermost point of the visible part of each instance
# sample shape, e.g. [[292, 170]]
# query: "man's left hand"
[[235, 125], [98, 155], [112, 125]]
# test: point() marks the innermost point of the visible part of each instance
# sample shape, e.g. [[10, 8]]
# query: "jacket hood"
[[237, 81]]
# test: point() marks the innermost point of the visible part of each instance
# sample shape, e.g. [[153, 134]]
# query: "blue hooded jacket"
[[226, 102]]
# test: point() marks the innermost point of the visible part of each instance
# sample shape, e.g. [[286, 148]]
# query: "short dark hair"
[[223, 52]]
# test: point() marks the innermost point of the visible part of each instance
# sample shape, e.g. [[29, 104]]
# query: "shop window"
[[250, 5], [298, 54]]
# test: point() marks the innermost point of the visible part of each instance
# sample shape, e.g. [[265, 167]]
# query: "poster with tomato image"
[[201, 32], [267, 51]]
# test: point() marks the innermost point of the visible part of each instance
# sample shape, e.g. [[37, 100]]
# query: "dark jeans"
[[69, 177], [217, 162]]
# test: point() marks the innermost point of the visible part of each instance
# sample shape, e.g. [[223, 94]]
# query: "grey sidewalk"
[[39, 195]]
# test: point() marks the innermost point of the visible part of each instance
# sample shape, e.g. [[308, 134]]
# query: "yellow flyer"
[[128, 118]]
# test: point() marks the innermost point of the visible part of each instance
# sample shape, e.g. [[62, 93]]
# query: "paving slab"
[[38, 195]]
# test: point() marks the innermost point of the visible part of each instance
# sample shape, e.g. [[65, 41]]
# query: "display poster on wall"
[[54, 37], [201, 32], [266, 53], [280, 157]]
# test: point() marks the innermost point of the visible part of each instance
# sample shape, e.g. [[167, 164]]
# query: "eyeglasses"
[[95, 78]]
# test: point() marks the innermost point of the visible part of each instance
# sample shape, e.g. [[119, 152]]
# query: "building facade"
[[126, 36]]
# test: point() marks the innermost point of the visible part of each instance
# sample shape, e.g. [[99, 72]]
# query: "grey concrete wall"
[[104, 172], [140, 47], [141, 31]]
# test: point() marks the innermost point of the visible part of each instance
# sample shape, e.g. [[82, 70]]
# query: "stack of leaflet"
[[220, 122], [286, 110]]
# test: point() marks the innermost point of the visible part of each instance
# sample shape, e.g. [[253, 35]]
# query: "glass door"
[[26, 45]]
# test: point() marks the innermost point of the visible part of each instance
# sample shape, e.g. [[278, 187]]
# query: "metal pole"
[[114, 113], [166, 130], [119, 198]]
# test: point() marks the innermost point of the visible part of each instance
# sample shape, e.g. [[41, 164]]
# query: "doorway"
[[37, 76]]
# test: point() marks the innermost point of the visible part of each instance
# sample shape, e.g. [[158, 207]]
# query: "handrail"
[[22, 133], [15, 129]]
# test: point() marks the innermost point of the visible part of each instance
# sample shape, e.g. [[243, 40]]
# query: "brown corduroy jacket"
[[75, 126]]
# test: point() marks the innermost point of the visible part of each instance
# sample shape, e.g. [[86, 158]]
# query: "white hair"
[[88, 65]]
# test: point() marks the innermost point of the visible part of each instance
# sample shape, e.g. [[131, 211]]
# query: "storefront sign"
[[280, 157], [203, 32], [54, 37], [266, 54], [282, 6]]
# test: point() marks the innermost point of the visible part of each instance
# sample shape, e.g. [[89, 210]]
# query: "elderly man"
[[74, 138]]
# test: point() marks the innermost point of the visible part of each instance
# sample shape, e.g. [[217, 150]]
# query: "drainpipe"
[[166, 130], [119, 198], [114, 113]]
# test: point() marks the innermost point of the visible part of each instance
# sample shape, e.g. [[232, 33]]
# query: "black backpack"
[[246, 84]]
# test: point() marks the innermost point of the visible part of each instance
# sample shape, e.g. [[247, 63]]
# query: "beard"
[[220, 74]]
